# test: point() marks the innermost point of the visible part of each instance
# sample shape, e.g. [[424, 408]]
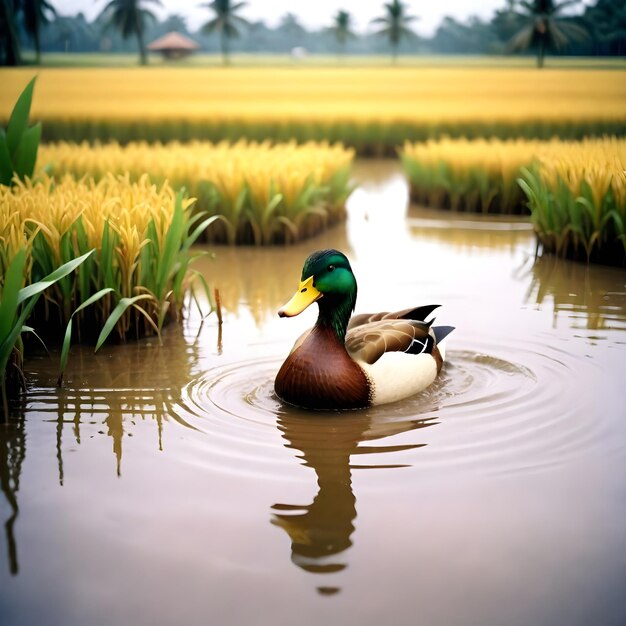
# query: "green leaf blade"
[[18, 122]]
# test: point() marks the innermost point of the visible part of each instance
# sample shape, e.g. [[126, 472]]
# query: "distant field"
[[368, 107], [98, 59]]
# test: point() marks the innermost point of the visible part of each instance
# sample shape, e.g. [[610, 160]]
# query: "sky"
[[315, 14]]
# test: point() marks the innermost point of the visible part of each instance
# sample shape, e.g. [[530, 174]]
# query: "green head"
[[327, 279]]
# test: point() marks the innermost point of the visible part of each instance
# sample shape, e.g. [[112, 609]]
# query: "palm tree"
[[394, 24], [225, 22], [9, 40], [72, 32], [129, 17], [174, 22], [607, 21], [341, 28], [35, 14], [543, 28]]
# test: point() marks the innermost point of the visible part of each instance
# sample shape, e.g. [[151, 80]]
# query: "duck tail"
[[441, 332], [420, 313]]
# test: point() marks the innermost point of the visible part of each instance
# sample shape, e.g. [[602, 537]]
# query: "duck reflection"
[[321, 531]]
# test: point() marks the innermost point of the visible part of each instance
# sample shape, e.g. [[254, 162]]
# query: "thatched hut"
[[173, 45]]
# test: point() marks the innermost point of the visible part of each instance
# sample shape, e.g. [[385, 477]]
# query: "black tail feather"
[[420, 313], [441, 332]]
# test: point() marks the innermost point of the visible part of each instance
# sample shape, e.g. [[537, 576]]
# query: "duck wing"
[[367, 342], [419, 313]]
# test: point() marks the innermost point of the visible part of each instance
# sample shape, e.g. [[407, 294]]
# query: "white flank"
[[398, 375]]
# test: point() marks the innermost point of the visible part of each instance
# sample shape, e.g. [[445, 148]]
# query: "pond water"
[[166, 484]]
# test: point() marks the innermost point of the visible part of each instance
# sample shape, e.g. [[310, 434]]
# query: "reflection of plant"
[[557, 283], [18, 146], [12, 454]]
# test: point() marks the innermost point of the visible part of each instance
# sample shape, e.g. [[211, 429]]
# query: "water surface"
[[167, 484]]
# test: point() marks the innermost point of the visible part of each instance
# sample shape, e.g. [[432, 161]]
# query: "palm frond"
[[522, 39], [564, 5]]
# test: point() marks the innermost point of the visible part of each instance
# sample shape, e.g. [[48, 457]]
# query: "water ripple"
[[491, 412]]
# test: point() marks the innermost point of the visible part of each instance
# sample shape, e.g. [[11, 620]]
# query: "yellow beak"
[[306, 295]]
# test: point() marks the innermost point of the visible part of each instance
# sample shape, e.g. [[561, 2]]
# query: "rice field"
[[125, 250], [477, 176], [373, 109], [575, 191], [263, 194], [577, 198]]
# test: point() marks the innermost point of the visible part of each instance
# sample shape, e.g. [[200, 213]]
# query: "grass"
[[373, 109], [263, 193]]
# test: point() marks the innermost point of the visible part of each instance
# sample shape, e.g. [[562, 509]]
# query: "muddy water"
[[168, 485]]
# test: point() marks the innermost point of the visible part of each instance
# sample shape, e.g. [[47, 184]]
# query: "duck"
[[355, 362]]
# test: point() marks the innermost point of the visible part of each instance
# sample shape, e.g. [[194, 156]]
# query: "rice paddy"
[[577, 198], [575, 191], [191, 155], [469, 175], [264, 194], [132, 238], [373, 109]]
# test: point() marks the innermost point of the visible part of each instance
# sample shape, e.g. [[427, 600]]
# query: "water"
[[168, 485]]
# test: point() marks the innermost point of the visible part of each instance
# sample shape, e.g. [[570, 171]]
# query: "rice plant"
[[575, 191], [19, 144], [262, 193], [577, 199], [372, 109], [16, 305], [478, 176], [142, 234]]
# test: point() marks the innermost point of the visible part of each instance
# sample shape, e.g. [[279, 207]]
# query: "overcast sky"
[[312, 14]]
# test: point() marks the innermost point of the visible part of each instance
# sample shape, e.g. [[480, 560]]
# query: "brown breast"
[[321, 375]]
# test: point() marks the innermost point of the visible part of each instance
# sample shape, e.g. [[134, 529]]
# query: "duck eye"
[[331, 268]]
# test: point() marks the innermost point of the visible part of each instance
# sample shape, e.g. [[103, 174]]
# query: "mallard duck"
[[350, 363]]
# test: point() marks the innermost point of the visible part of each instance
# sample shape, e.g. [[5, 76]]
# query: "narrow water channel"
[[167, 484]]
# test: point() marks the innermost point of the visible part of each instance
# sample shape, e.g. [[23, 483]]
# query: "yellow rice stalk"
[[598, 163], [576, 190], [64, 218], [497, 157], [218, 175], [477, 175], [577, 196], [421, 95]]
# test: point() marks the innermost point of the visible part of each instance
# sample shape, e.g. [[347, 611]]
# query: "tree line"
[[536, 26]]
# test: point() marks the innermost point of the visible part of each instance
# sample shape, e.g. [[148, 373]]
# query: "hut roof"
[[173, 41]]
